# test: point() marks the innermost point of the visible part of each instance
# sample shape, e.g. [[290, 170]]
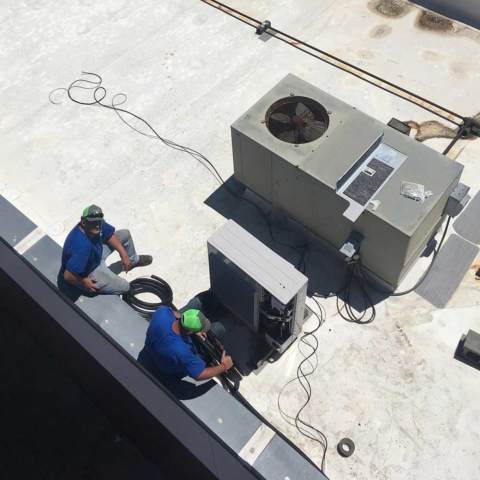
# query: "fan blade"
[[287, 136], [304, 112], [281, 117], [313, 130]]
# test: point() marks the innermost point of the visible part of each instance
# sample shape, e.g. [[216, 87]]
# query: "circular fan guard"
[[297, 120]]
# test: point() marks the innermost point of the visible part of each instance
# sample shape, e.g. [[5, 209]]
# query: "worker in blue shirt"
[[170, 352], [86, 248]]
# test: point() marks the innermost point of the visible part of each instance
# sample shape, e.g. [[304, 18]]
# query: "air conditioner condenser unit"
[[258, 286], [336, 170]]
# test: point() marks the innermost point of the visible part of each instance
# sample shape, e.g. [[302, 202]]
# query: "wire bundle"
[[355, 283], [305, 369], [153, 285]]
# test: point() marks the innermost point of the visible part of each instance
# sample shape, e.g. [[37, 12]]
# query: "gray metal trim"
[[15, 225]]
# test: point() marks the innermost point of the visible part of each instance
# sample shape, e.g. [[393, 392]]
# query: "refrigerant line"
[[337, 62]]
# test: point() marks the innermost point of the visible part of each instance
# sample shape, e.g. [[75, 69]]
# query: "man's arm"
[[75, 279], [209, 372], [115, 243]]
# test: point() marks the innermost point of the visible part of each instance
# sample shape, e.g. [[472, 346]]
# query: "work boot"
[[143, 261]]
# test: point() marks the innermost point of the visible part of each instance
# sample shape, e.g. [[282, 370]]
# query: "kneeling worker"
[[170, 352], [84, 253]]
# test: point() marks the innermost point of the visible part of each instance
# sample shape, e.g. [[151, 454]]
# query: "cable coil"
[[153, 285]]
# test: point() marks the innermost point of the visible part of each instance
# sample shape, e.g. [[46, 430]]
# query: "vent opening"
[[297, 120]]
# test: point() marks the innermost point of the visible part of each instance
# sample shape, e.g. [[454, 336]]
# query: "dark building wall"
[[50, 427], [466, 11]]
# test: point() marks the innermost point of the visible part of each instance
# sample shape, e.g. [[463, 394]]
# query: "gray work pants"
[[109, 282]]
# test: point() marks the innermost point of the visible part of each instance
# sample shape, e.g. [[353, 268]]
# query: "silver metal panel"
[[361, 187], [280, 461], [451, 265], [261, 264], [15, 225]]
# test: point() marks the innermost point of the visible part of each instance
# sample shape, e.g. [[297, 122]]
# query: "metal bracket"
[[263, 27]]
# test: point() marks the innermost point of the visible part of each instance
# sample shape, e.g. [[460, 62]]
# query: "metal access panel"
[[347, 179], [242, 269]]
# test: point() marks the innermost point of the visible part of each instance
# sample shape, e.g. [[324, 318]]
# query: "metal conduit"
[[358, 72]]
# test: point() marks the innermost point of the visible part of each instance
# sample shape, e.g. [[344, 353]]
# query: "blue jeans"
[[107, 282]]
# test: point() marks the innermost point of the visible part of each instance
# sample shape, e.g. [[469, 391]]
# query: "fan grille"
[[297, 119]]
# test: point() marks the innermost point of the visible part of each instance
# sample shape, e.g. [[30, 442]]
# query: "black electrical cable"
[[357, 276], [99, 93], [346, 294], [310, 360], [153, 285], [343, 65], [250, 407]]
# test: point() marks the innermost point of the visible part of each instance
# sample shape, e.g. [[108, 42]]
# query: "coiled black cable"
[[153, 285], [355, 284]]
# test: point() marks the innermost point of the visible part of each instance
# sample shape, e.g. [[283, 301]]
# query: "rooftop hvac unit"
[[262, 289], [337, 170]]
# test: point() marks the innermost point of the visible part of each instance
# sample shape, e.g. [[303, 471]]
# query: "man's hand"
[[202, 336], [126, 263], [226, 361], [89, 284]]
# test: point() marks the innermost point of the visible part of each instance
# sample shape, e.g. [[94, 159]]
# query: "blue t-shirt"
[[173, 355], [82, 254]]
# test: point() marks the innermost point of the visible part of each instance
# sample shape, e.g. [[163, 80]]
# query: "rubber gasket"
[[345, 447]]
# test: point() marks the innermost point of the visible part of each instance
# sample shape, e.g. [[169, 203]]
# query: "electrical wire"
[[345, 296], [305, 369], [93, 83], [99, 93], [357, 282]]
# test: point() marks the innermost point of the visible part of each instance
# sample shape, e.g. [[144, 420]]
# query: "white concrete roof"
[[190, 70]]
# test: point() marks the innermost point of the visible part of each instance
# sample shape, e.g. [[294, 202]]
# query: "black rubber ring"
[[345, 447]]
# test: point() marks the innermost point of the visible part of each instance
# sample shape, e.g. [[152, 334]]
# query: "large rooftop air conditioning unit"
[[337, 170]]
